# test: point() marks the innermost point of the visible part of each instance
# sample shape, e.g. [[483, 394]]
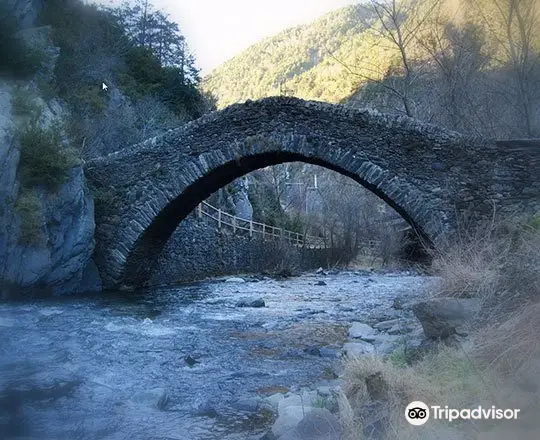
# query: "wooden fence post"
[[199, 210], [251, 228], [219, 218]]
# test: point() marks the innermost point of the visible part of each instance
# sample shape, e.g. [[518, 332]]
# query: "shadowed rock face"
[[59, 262], [26, 11], [428, 174]]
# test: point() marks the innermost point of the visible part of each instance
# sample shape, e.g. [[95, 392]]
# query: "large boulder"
[[235, 280], [289, 417], [317, 424], [443, 317], [305, 399], [360, 330]]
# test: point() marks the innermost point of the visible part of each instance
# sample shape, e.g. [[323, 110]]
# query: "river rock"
[[306, 398], [251, 302], [359, 348], [320, 283], [248, 404], [384, 343], [154, 398], [386, 325], [400, 329], [289, 417], [235, 280], [274, 400], [191, 360], [360, 330], [206, 408], [443, 317], [324, 391], [330, 351], [317, 424]]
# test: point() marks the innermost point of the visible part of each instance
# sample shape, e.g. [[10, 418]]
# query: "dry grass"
[[510, 346], [497, 263], [449, 377], [500, 264], [403, 382], [500, 364]]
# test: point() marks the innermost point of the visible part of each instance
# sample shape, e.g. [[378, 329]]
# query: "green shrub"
[[398, 358], [534, 222], [104, 198], [23, 104], [44, 160], [90, 96], [144, 73], [29, 208]]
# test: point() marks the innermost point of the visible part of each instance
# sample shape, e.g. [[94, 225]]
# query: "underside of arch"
[[145, 251]]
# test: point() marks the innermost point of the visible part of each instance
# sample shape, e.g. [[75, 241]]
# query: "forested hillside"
[[143, 58], [74, 47], [473, 66], [297, 61]]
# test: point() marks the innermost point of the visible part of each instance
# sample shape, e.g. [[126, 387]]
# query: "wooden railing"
[[268, 232], [252, 228]]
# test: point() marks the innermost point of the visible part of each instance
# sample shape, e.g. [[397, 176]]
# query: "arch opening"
[[142, 259]]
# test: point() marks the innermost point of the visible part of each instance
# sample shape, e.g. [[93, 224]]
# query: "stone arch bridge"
[[428, 174]]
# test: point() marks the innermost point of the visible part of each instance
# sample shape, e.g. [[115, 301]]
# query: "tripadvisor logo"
[[417, 413]]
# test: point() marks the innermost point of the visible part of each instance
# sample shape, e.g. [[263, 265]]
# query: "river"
[[179, 362]]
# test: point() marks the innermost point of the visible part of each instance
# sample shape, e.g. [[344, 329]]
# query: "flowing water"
[[176, 362]]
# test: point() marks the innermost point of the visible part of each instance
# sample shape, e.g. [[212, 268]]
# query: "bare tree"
[[398, 25], [353, 217], [459, 58], [515, 25]]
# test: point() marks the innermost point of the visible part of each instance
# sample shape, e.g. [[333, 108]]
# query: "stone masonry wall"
[[197, 250]]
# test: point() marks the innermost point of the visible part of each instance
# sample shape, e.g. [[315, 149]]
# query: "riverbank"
[[252, 357], [183, 362], [480, 363]]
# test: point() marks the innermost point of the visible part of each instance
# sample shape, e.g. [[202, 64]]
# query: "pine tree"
[[154, 30]]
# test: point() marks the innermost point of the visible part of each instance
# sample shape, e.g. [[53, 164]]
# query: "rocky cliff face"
[[25, 10], [60, 263], [242, 205]]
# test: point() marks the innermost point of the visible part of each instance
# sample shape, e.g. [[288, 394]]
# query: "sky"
[[217, 30]]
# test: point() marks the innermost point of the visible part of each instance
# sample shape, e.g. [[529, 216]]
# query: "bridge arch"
[[152, 186]]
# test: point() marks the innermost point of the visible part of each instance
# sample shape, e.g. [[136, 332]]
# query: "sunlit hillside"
[[470, 65]]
